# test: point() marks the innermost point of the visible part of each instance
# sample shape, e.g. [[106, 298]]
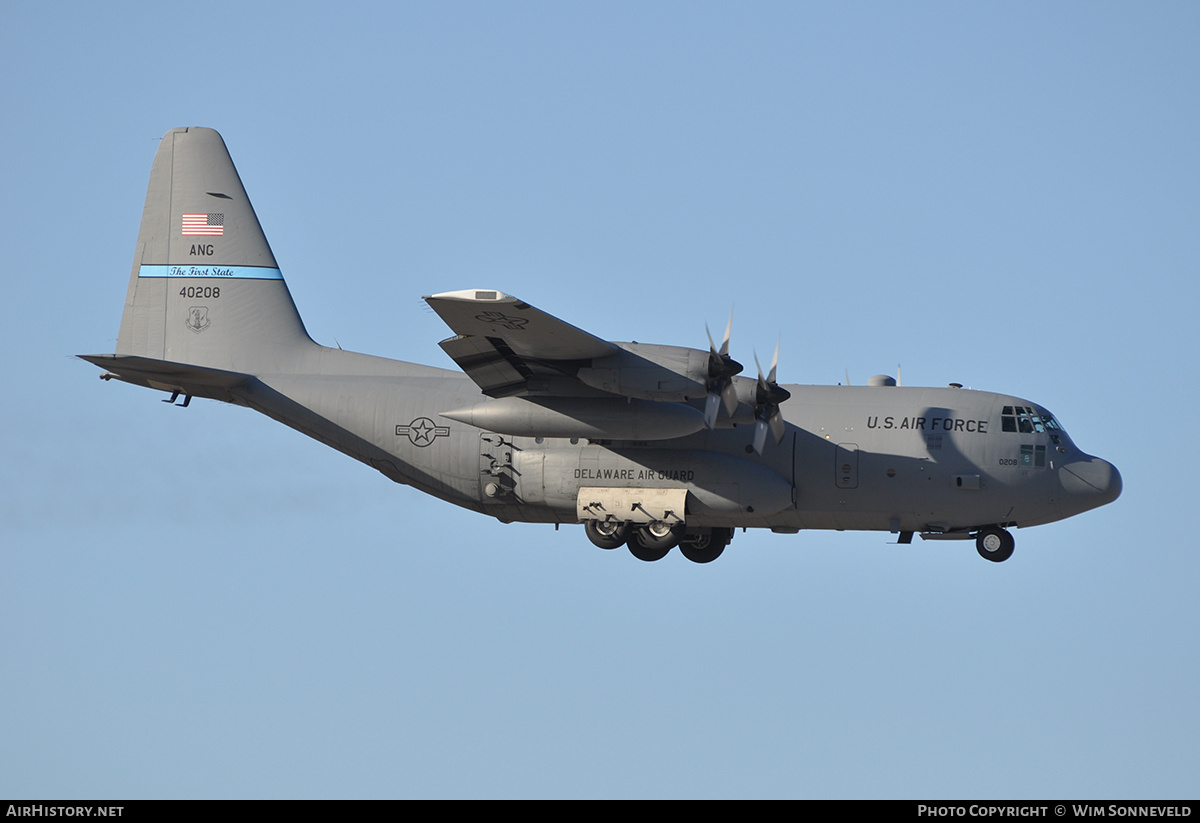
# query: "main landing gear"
[[606, 534], [653, 541], [706, 547], [994, 543]]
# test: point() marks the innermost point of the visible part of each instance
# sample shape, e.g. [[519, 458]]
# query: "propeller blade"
[[767, 396], [723, 352], [711, 407], [720, 364], [722, 393], [768, 391], [777, 425], [771, 420], [729, 397], [712, 347], [760, 436]]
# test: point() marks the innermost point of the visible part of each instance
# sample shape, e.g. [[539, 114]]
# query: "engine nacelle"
[[650, 372]]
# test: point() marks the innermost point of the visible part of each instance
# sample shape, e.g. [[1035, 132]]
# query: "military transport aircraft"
[[647, 446]]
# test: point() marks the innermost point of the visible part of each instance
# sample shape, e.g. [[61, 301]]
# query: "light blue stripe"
[[222, 272]]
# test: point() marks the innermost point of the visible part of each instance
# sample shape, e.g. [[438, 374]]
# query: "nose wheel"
[[994, 544]]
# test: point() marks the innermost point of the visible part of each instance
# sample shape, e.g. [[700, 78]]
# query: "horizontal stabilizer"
[[163, 375]]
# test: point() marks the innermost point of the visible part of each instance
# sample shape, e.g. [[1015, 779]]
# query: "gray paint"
[[544, 409]]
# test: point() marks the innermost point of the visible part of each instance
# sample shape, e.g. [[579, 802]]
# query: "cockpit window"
[[1027, 420]]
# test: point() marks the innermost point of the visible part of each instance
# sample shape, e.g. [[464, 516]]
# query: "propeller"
[[767, 396], [721, 370]]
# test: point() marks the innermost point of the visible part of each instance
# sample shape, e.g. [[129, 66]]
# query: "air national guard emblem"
[[197, 319]]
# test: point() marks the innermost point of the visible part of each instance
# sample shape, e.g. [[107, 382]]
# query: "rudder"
[[205, 289]]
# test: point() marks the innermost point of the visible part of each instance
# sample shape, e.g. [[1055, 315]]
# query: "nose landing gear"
[[994, 543]]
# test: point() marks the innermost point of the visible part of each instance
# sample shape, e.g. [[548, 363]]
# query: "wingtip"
[[474, 296]]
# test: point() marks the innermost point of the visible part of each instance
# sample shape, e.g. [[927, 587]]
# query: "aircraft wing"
[[508, 347]]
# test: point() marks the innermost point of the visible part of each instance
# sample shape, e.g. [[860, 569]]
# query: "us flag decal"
[[203, 225]]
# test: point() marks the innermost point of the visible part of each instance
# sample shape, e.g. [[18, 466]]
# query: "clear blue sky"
[[201, 603]]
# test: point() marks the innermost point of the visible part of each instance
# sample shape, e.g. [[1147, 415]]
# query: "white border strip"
[[223, 272]]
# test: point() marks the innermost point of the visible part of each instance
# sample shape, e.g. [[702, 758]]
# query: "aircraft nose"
[[1094, 479]]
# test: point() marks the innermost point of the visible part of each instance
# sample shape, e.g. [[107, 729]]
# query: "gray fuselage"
[[864, 457]]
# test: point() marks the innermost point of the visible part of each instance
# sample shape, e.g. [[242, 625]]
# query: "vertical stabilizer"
[[205, 289]]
